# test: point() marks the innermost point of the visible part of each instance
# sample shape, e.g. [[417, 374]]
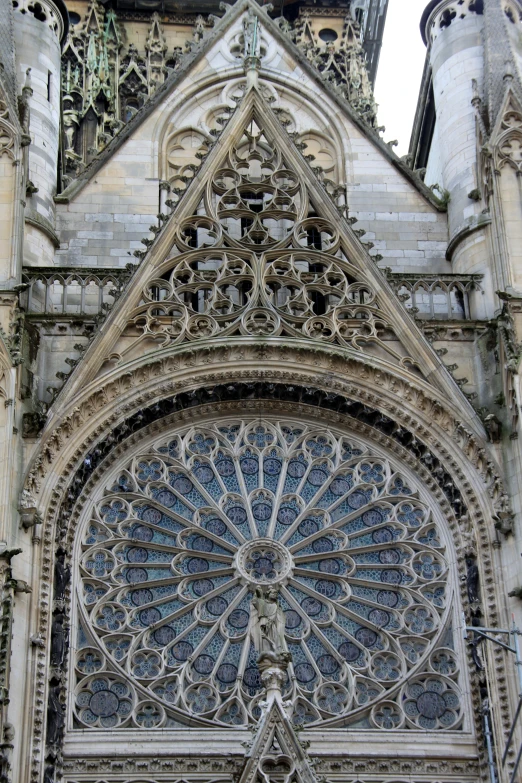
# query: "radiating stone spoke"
[[232, 508]]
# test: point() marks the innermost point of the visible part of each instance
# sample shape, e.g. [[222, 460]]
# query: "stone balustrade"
[[71, 292], [441, 297]]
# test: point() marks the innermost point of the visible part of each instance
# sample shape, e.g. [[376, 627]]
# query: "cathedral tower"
[[455, 40]]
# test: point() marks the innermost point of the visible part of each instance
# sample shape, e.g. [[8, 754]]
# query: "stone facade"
[[259, 440]]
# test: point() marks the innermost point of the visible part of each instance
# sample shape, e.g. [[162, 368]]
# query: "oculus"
[[193, 523], [328, 35]]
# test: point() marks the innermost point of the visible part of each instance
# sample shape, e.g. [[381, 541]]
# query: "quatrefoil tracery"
[[183, 535], [256, 260], [297, 292]]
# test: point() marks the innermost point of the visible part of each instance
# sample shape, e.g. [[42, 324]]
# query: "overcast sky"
[[400, 70]]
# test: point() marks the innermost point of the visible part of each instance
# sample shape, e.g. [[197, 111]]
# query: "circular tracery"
[[193, 524], [263, 561]]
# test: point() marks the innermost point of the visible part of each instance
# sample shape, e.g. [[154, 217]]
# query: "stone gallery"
[[260, 507]]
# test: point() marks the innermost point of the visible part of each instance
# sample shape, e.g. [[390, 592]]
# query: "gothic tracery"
[[106, 82], [190, 528], [257, 260], [257, 509]]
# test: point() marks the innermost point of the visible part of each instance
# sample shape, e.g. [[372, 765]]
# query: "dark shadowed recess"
[[315, 398]]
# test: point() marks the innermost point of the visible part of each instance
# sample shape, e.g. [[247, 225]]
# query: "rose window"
[[187, 530]]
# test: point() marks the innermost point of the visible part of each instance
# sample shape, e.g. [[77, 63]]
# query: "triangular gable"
[[500, 57], [508, 117], [257, 247], [276, 755], [199, 52]]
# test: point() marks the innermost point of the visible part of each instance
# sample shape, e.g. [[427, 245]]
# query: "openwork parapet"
[[71, 292], [444, 297]]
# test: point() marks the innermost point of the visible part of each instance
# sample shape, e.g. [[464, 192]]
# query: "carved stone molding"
[[290, 408], [204, 770], [342, 374]]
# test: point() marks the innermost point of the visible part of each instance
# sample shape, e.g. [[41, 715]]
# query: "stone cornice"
[[44, 225], [425, 16], [481, 221]]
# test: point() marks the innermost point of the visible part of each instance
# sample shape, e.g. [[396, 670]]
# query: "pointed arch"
[[106, 459], [267, 358]]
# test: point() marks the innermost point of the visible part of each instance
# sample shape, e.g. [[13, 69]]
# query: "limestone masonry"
[[260, 461]]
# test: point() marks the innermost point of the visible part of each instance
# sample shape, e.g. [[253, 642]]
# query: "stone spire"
[[500, 64], [7, 49]]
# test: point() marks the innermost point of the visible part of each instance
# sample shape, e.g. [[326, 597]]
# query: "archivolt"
[[349, 393], [397, 414], [122, 391]]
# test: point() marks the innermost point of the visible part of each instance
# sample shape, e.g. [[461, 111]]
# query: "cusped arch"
[[181, 155], [326, 155], [9, 132], [325, 123], [233, 46], [119, 413], [206, 92], [508, 150], [8, 138]]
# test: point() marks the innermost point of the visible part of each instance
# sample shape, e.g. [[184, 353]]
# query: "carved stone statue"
[[469, 542], [70, 122], [472, 580], [55, 716], [49, 774], [29, 516], [57, 640], [62, 575], [268, 622], [493, 428], [199, 28], [250, 35], [476, 622], [24, 111]]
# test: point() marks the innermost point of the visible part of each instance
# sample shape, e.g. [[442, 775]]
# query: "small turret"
[[453, 33], [39, 27]]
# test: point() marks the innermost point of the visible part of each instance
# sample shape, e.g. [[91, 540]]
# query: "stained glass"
[[173, 554]]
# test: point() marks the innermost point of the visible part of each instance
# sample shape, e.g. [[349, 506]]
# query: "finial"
[[251, 48], [27, 84]]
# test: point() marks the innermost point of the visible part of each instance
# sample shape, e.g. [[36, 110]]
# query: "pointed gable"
[[502, 59], [256, 248], [508, 121], [276, 753], [304, 62]]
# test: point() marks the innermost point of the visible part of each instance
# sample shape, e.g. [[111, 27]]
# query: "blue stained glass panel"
[[227, 485]]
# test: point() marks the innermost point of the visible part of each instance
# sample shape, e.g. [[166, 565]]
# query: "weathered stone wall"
[[38, 66], [104, 224]]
